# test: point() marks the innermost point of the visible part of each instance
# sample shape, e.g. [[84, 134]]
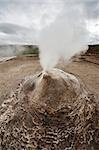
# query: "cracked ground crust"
[[26, 124]]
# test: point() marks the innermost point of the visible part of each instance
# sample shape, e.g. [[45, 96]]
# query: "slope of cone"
[[52, 110]]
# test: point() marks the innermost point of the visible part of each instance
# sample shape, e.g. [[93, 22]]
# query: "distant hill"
[[93, 49], [12, 50]]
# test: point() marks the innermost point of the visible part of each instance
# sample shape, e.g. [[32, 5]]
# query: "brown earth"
[[13, 71], [52, 110]]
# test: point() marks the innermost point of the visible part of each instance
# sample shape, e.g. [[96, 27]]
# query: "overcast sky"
[[22, 20]]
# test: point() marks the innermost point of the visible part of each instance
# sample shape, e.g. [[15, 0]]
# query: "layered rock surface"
[[52, 110]]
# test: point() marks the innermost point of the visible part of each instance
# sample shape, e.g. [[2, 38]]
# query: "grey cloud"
[[9, 28], [92, 9], [11, 33], [25, 17]]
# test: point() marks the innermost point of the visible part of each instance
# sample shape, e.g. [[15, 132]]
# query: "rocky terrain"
[[50, 110], [36, 115]]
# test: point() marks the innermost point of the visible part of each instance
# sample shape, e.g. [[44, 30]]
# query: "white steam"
[[63, 38], [58, 27]]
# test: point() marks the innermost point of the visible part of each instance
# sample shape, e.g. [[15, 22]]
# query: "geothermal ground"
[[52, 109], [13, 71]]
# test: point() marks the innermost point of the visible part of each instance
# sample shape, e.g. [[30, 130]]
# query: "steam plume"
[[63, 38], [58, 27]]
